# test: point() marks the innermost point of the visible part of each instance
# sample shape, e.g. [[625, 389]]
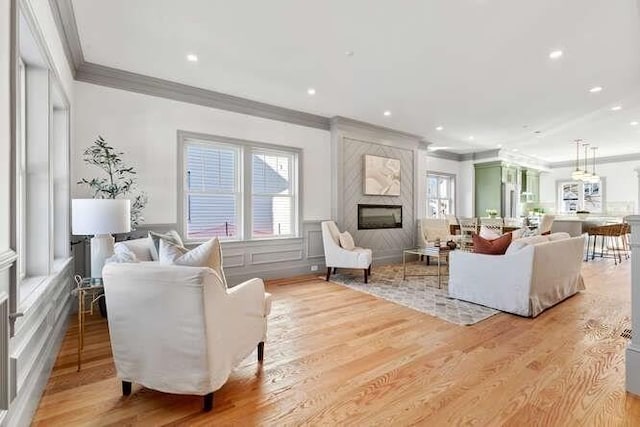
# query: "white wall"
[[621, 184], [144, 127]]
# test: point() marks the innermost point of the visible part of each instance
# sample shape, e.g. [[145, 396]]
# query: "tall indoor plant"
[[120, 179]]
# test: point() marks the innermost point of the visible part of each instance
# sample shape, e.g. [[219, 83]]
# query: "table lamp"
[[100, 218]]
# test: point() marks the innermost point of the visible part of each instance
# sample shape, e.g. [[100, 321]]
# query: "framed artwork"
[[577, 195], [381, 176]]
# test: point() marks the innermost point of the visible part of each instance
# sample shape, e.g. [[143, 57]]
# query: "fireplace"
[[371, 217]]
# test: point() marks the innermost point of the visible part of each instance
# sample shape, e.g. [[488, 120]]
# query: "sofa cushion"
[[491, 247], [141, 248], [518, 244], [171, 236], [561, 235], [346, 241]]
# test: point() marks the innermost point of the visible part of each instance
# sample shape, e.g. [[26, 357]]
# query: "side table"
[[441, 253], [90, 290]]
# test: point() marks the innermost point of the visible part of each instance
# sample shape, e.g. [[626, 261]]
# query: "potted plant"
[[492, 213]]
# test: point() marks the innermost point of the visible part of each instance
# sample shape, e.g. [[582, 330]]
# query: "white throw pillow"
[[519, 233], [208, 254], [346, 241], [488, 234], [155, 238], [141, 248], [121, 253]]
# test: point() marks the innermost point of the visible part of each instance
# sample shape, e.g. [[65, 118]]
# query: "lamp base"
[[101, 249]]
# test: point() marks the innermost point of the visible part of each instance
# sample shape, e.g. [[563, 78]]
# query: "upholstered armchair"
[[545, 223], [430, 229], [178, 329], [338, 257]]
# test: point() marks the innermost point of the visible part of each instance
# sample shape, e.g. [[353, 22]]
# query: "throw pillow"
[[346, 241], [491, 247], [208, 254], [171, 236], [141, 248], [121, 254], [169, 252], [488, 234], [517, 245], [519, 233]]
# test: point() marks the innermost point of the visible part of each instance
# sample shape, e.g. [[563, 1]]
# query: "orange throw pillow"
[[491, 247]]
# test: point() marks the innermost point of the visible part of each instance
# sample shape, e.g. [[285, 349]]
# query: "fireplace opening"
[[371, 217]]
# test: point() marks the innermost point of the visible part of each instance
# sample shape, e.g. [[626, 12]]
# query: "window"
[[238, 190], [440, 195], [21, 173]]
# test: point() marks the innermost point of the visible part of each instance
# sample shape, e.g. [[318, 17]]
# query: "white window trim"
[[245, 235], [453, 191]]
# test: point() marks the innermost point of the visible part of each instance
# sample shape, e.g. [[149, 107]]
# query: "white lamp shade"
[[100, 216]]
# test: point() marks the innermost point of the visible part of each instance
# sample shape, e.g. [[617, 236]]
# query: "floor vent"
[[626, 334]]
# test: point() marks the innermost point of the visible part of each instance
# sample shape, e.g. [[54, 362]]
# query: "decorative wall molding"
[[599, 161], [345, 124], [7, 259], [480, 155], [632, 359]]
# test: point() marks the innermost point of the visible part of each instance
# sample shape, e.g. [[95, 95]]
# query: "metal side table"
[[87, 290]]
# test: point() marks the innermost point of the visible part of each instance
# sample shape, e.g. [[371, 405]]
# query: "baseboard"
[[22, 409]]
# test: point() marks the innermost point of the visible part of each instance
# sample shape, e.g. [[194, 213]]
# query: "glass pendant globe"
[[577, 174]]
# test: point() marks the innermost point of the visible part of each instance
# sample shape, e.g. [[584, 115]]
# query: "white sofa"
[[535, 274]]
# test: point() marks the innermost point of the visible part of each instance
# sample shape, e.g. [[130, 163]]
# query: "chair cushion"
[[346, 241], [171, 236], [267, 303], [208, 254], [561, 235], [491, 247]]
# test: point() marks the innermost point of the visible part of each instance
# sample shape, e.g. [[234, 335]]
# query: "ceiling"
[[477, 68]]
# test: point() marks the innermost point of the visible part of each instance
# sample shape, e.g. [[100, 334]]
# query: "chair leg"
[[208, 402], [370, 269], [593, 252], [126, 388], [366, 275], [335, 270], [328, 273], [261, 351]]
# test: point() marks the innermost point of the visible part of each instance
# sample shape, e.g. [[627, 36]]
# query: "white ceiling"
[[476, 67]]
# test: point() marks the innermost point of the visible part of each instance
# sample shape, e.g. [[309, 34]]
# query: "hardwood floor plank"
[[335, 356]]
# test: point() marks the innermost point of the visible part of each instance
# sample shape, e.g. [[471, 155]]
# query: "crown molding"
[[599, 160], [65, 20], [443, 154], [133, 82]]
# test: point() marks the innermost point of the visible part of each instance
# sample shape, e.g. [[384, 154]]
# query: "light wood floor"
[[335, 356]]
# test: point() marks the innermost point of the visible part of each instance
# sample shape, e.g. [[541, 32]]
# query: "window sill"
[[31, 287]]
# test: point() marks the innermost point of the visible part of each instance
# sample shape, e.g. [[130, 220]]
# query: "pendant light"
[[585, 175], [594, 178], [577, 174]]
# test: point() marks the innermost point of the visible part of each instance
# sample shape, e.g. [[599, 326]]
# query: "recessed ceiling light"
[[634, 123], [595, 89], [515, 150], [387, 113], [555, 54], [349, 53], [616, 108], [311, 91], [471, 138], [192, 57], [436, 148], [439, 128], [499, 145]]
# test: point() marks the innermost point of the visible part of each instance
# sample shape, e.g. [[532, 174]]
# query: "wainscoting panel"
[[315, 248]]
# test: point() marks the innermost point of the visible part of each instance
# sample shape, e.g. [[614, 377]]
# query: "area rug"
[[419, 293]]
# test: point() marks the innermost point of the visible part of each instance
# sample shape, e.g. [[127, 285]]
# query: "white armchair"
[[431, 229], [178, 329], [337, 257]]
